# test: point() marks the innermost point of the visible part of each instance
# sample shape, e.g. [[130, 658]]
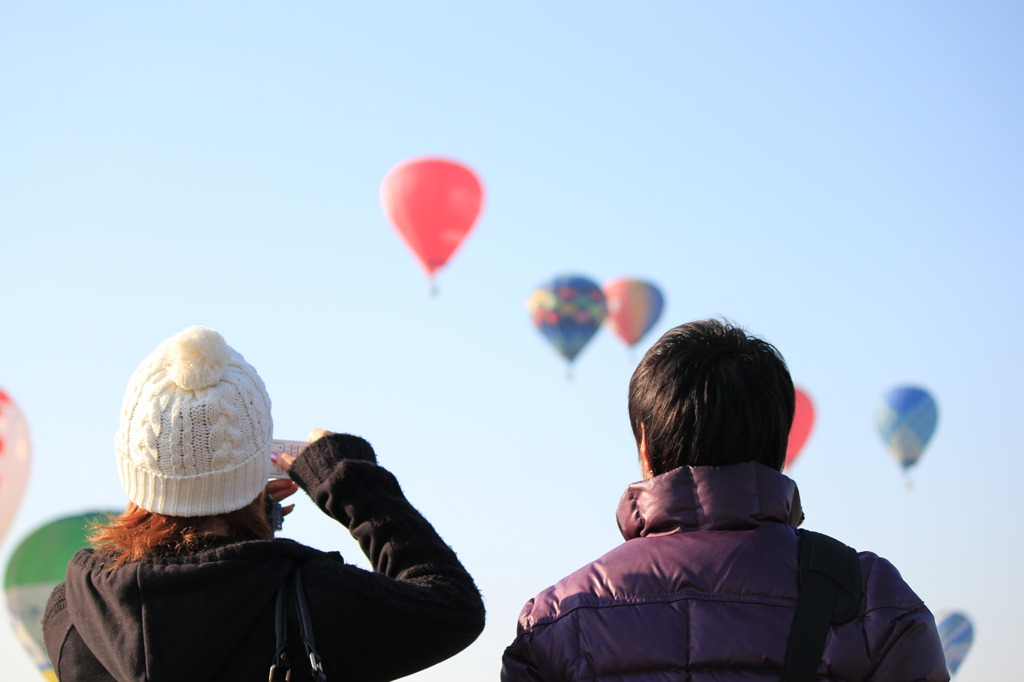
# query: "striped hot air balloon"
[[957, 635], [634, 306], [906, 421]]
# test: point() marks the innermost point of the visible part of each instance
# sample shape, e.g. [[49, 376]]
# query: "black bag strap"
[[280, 666], [306, 631], [830, 593]]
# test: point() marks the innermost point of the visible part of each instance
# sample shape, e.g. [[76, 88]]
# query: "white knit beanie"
[[195, 430]]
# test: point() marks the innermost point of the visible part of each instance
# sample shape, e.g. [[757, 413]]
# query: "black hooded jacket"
[[210, 615]]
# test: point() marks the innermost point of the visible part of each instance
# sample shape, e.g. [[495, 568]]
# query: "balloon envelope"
[[633, 307], [38, 563], [15, 451], [957, 634], [433, 203], [803, 420], [906, 421], [568, 311]]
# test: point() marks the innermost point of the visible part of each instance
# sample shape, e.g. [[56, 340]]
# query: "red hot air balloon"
[[15, 460], [433, 203], [803, 420]]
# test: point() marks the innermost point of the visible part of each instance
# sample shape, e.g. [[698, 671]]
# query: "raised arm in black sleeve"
[[419, 606]]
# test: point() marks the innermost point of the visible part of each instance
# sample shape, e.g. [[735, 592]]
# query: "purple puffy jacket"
[[704, 588]]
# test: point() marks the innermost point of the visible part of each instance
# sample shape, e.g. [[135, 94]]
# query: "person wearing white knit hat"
[[195, 428], [190, 582]]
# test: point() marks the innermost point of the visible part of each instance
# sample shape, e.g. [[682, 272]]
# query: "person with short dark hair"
[[706, 585], [189, 583]]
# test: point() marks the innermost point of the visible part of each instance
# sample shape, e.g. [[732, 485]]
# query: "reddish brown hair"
[[138, 534]]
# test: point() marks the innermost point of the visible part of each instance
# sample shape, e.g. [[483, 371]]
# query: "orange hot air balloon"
[[634, 305], [433, 203], [803, 420]]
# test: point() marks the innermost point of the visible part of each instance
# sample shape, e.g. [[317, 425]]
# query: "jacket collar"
[[730, 497]]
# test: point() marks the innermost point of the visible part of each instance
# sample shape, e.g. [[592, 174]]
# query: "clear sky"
[[843, 179]]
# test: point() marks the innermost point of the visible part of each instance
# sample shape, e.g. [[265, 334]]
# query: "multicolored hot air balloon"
[[15, 460], [634, 305], [803, 420], [33, 570], [568, 311], [433, 203], [906, 420], [957, 635]]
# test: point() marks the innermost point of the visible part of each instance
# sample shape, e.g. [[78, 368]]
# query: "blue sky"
[[840, 178]]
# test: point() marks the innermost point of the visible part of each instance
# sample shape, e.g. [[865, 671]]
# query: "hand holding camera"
[[284, 452], [282, 455]]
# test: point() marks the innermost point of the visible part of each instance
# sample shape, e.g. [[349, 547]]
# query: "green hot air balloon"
[[34, 569]]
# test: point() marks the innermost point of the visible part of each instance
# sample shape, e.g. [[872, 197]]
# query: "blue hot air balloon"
[[906, 420], [957, 634], [568, 311]]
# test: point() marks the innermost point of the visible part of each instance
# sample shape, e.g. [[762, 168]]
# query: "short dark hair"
[[707, 393]]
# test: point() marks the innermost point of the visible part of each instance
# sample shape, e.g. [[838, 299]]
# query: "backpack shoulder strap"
[[830, 592]]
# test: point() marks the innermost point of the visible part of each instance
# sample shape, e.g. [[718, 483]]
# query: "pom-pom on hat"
[[194, 438]]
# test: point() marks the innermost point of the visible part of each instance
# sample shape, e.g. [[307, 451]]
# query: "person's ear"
[[645, 459]]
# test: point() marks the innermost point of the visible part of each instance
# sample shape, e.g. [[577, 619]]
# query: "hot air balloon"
[[906, 420], [803, 420], [957, 634], [568, 311], [15, 450], [633, 307], [33, 570], [433, 203]]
